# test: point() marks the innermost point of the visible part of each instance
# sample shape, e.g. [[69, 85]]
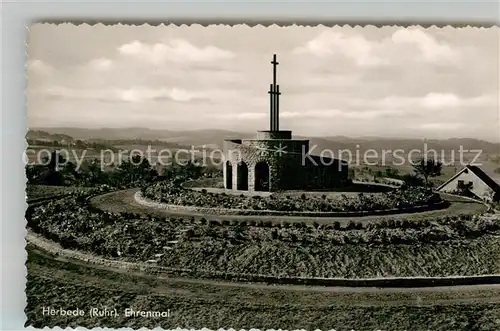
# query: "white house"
[[475, 181]]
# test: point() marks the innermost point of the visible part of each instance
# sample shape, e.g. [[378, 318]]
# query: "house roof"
[[479, 173]]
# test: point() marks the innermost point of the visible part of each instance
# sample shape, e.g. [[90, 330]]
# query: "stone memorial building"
[[273, 161]]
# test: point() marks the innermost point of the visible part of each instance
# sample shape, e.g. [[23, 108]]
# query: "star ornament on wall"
[[281, 150], [262, 151]]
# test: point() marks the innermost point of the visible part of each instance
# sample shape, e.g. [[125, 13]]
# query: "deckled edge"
[[275, 23], [184, 23], [24, 297]]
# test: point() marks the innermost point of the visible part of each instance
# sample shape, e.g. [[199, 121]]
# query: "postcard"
[[237, 177]]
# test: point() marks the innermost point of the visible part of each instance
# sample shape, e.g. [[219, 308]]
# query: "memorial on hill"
[[274, 161]]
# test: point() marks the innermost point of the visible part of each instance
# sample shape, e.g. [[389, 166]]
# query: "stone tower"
[[274, 161]]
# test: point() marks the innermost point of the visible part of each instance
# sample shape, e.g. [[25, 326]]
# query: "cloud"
[[337, 113], [130, 95], [431, 49], [440, 126], [100, 64], [434, 101], [384, 51], [176, 50], [356, 47], [240, 116], [39, 67], [439, 100]]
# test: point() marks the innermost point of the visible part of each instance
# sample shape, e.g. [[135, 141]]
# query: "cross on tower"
[[274, 94]]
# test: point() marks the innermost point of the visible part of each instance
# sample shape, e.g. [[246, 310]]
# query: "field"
[[124, 230], [447, 171], [213, 305], [34, 192], [440, 247]]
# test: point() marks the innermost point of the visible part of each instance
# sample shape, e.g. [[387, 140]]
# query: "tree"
[[426, 168], [136, 169], [52, 174], [412, 180], [34, 173], [392, 173]]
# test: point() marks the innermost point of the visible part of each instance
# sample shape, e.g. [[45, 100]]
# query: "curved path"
[[124, 201], [61, 266]]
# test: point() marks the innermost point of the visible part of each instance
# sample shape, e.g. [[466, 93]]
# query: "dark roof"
[[480, 174], [484, 177]]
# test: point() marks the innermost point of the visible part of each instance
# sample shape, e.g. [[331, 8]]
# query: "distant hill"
[[185, 137], [213, 138], [407, 145], [48, 136]]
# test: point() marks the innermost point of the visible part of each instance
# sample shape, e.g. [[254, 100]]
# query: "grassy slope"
[[69, 286], [279, 258], [47, 191]]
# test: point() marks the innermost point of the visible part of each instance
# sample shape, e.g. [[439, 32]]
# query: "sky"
[[352, 81]]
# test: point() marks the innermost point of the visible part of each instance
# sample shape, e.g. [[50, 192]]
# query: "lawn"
[[34, 192], [440, 247], [197, 305]]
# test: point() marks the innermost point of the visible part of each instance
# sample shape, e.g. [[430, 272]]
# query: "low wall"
[[399, 282], [244, 212]]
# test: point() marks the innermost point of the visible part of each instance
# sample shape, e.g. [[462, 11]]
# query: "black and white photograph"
[[299, 177]]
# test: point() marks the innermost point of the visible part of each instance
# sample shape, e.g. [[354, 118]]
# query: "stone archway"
[[242, 176], [262, 178], [229, 176]]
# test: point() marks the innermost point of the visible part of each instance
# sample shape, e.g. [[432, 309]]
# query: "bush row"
[[172, 193]]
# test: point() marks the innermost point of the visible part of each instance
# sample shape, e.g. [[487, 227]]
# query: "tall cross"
[[275, 66], [274, 93]]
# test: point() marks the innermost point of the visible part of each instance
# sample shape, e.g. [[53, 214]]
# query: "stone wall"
[[285, 170], [290, 167], [264, 135], [324, 172]]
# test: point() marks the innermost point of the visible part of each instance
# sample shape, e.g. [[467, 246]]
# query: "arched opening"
[[229, 176], [242, 176], [261, 177]]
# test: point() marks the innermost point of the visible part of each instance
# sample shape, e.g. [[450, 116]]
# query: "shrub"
[[350, 226], [189, 234], [405, 224], [77, 226], [168, 192]]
